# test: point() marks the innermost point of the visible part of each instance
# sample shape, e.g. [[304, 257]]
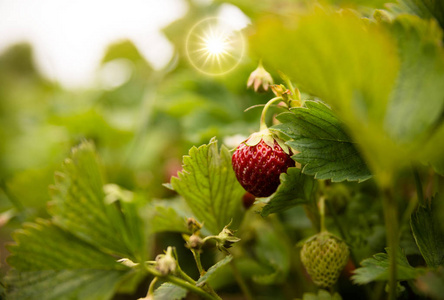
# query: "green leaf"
[[50, 263], [63, 284], [295, 189], [425, 9], [169, 291], [376, 268], [212, 271], [431, 284], [167, 219], [78, 205], [428, 234], [417, 100], [326, 151], [209, 186], [271, 250]]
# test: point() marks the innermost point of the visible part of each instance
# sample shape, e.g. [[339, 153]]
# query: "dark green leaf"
[[169, 291], [428, 234], [376, 268], [213, 270], [272, 250], [209, 186], [326, 151], [295, 189]]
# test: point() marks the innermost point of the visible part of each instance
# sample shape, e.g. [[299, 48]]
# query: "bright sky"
[[70, 37]]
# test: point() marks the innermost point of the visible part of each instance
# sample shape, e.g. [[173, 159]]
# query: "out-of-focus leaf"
[[295, 189], [164, 218], [428, 234], [424, 9], [376, 268], [272, 250], [416, 101], [431, 284], [326, 151], [79, 207], [169, 291], [350, 64], [50, 263], [85, 284], [209, 186], [212, 271]]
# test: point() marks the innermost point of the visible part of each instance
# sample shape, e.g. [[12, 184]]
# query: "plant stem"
[[263, 124], [182, 283], [180, 271], [391, 224], [196, 255], [321, 206], [240, 281], [151, 287]]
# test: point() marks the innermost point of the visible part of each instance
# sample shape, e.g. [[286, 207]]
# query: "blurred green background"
[[142, 121]]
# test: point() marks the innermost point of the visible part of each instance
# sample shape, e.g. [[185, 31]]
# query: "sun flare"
[[213, 47]]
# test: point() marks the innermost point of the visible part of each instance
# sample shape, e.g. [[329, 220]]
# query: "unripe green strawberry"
[[259, 161], [324, 256]]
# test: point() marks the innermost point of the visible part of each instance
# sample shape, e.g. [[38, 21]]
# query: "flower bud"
[[260, 79], [165, 263], [194, 242]]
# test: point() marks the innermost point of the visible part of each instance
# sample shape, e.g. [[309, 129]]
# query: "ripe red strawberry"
[[259, 161]]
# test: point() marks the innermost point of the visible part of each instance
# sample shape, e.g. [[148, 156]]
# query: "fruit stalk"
[[263, 124]]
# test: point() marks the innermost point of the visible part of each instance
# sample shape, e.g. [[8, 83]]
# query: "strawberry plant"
[[333, 190]]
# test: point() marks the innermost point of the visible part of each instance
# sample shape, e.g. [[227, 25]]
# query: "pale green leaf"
[[209, 186], [169, 291], [164, 218], [85, 284], [295, 189], [376, 268], [326, 151], [50, 263], [212, 271], [428, 234], [417, 99], [78, 205]]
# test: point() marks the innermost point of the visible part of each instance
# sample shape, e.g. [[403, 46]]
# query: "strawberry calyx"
[[269, 138]]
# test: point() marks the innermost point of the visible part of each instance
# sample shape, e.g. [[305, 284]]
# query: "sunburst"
[[214, 47]]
